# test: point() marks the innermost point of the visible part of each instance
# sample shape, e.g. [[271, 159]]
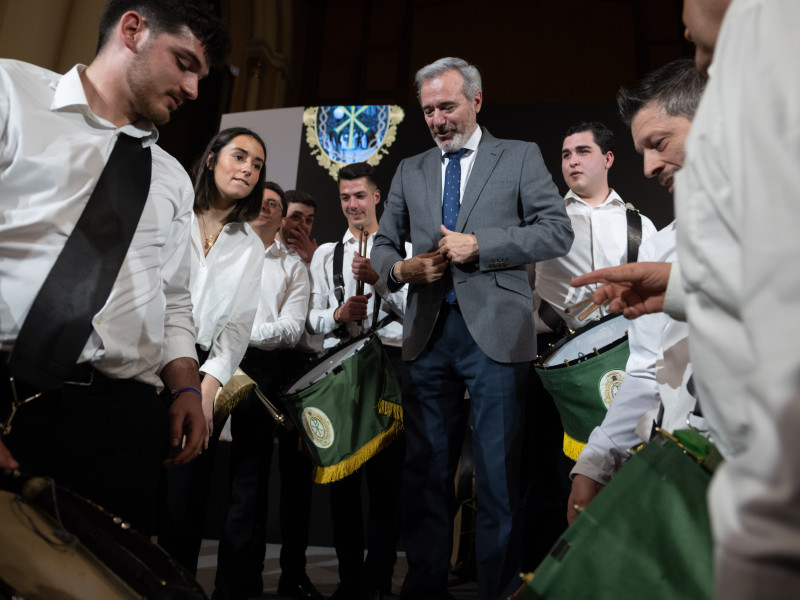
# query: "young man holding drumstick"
[[343, 318]]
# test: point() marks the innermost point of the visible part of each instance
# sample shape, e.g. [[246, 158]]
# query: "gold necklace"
[[210, 239]]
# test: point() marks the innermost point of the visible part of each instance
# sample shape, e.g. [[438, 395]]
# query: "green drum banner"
[[646, 534], [351, 413]]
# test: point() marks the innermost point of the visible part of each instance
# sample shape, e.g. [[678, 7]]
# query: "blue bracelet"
[[176, 393]]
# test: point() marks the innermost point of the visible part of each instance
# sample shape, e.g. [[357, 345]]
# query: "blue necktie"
[[451, 200]]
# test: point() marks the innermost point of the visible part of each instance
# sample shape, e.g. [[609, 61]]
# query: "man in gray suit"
[[468, 322]]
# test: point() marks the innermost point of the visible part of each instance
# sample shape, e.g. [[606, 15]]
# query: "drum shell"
[[648, 530], [575, 389], [89, 553], [582, 389], [351, 413]]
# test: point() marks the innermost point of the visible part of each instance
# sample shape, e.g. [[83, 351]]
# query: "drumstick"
[[578, 306], [362, 244], [594, 306]]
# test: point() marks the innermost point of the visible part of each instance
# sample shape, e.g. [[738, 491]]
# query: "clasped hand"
[[458, 248]]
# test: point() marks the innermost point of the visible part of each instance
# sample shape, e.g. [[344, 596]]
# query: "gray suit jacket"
[[517, 215]]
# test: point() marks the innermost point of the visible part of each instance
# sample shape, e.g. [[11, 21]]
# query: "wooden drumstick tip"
[[578, 305], [593, 307]]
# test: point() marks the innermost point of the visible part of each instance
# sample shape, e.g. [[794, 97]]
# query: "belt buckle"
[[15, 395], [5, 428], [338, 292], [83, 383]]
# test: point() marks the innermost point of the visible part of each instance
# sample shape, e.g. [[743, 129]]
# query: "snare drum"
[[55, 544], [346, 407], [583, 372]]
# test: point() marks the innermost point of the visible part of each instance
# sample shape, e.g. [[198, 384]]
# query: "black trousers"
[[243, 546], [183, 507], [546, 482], [184, 501], [383, 477], [104, 441]]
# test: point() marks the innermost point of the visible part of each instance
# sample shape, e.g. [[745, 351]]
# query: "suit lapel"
[[489, 152], [433, 175]]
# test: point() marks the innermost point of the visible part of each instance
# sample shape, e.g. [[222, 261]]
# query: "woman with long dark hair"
[[227, 256], [227, 261]]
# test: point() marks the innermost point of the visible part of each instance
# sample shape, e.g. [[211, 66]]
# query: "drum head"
[[77, 550], [35, 563], [325, 365], [587, 341]]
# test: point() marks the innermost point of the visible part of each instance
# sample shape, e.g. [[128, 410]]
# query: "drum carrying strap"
[[547, 313], [59, 322], [634, 232]]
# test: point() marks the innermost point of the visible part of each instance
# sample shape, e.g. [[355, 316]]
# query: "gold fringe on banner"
[[352, 463], [390, 409], [572, 447]]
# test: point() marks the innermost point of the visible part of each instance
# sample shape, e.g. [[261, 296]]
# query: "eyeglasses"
[[274, 204]]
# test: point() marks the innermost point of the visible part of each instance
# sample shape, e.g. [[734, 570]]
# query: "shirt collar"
[[283, 247], [349, 238], [243, 226], [274, 248], [70, 95], [613, 198], [472, 142]]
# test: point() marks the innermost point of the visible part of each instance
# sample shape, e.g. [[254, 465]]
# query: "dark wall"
[[544, 124]]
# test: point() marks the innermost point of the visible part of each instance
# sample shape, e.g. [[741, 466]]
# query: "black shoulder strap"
[[376, 307], [58, 324], [338, 278], [634, 233], [338, 285], [551, 318]]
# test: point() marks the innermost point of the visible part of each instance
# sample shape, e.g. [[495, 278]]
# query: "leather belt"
[[83, 374]]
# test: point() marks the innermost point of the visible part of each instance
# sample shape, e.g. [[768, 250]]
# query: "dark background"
[[544, 124], [545, 65]]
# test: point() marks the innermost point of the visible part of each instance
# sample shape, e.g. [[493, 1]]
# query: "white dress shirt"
[[737, 203], [52, 151], [601, 240], [283, 302], [324, 302], [225, 287], [648, 377]]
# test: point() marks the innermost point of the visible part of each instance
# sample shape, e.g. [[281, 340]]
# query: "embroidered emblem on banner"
[[340, 135], [609, 385], [318, 427]]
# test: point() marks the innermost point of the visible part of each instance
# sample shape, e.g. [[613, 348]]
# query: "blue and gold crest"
[[340, 135]]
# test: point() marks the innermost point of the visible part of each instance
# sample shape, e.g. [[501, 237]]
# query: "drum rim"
[[284, 390], [127, 553], [542, 358]]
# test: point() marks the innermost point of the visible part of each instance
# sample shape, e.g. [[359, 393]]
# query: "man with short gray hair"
[[478, 210]]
